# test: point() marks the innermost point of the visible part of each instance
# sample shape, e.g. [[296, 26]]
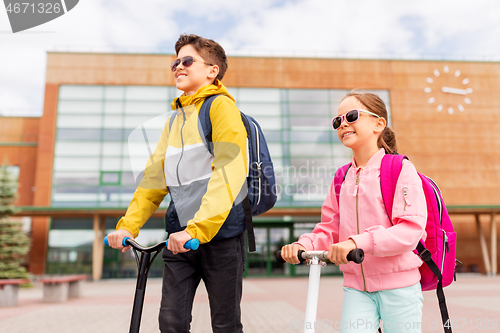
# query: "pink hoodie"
[[389, 259]]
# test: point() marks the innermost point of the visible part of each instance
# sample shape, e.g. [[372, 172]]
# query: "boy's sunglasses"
[[186, 62], [350, 117]]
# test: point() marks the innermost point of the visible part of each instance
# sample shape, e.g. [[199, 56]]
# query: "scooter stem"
[[140, 291], [312, 294]]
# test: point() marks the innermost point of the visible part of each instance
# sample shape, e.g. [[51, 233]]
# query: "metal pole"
[[312, 295], [140, 291]]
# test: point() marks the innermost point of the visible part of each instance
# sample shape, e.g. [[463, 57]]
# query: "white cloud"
[[90, 26], [371, 28], [364, 28]]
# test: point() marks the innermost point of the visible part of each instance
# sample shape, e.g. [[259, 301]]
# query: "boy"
[[205, 192]]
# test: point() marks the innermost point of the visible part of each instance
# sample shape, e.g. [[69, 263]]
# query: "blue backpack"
[[261, 180]]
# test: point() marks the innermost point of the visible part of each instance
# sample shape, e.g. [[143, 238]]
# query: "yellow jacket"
[[203, 188]]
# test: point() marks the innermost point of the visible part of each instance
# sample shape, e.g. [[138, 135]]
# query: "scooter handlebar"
[[191, 244], [357, 255]]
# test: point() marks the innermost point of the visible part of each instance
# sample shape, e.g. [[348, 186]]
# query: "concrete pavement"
[[269, 305]]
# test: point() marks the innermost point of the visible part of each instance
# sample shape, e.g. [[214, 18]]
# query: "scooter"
[[316, 260], [143, 264]]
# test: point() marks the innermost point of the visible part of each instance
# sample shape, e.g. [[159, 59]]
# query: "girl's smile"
[[348, 133]]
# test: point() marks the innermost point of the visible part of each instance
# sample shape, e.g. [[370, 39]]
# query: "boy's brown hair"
[[209, 50]]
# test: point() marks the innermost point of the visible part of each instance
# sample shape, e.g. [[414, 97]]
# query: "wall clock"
[[445, 82]]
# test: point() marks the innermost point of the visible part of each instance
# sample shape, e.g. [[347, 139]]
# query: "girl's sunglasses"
[[186, 62], [350, 117]]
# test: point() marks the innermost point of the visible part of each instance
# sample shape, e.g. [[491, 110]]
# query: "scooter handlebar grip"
[[299, 255], [280, 259], [124, 241], [191, 244], [356, 255]]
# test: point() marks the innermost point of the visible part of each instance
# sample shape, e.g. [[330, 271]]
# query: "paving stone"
[[268, 305]]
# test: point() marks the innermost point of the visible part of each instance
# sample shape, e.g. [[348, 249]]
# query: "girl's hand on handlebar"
[[338, 252], [115, 239], [177, 240], [289, 253]]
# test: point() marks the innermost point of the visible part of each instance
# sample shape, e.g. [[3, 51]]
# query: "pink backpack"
[[438, 250]]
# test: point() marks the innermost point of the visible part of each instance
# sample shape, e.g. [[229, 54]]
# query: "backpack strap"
[[205, 127], [249, 224], [204, 123], [390, 168], [425, 255], [339, 178]]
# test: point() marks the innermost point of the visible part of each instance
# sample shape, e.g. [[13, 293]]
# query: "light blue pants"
[[396, 310]]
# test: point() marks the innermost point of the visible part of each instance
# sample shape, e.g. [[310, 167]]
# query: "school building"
[[78, 163]]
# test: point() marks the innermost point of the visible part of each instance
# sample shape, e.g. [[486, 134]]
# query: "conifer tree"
[[14, 243]]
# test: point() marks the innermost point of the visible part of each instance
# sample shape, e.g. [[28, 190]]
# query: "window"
[[313, 151], [106, 133], [92, 152], [110, 178]]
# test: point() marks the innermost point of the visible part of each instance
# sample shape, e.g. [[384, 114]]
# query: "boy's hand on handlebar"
[[289, 253], [177, 240], [338, 252], [115, 239]]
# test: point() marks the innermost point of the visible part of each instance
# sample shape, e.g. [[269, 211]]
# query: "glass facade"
[[95, 147], [106, 133], [100, 147]]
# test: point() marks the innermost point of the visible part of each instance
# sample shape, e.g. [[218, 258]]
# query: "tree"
[[14, 243]]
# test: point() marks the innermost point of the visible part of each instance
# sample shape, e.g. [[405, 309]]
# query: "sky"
[[375, 29]]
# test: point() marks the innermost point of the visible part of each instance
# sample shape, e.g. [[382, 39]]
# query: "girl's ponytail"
[[387, 140]]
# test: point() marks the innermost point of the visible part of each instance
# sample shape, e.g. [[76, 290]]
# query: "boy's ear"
[[214, 71]]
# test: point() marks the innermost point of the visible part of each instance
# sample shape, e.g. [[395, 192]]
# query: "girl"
[[385, 288]]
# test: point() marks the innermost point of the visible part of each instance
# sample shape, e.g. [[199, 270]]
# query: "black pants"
[[221, 265]]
